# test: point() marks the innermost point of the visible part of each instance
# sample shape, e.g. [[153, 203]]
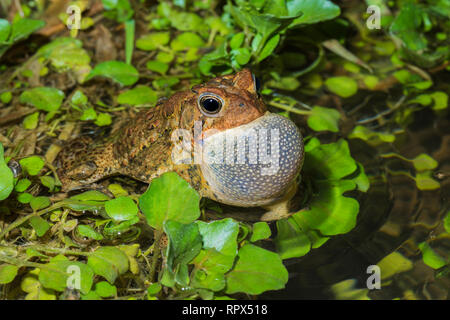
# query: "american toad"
[[218, 136]]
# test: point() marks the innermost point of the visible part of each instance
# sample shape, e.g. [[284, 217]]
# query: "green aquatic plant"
[[118, 71], [423, 165], [312, 70], [18, 30], [222, 263], [330, 170], [6, 177]]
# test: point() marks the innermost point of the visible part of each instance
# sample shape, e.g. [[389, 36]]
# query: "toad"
[[218, 136]]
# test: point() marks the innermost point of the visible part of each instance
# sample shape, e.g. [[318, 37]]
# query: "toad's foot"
[[280, 209]]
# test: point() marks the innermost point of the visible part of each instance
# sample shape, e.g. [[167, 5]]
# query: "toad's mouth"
[[251, 165]]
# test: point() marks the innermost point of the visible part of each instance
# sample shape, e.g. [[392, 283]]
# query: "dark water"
[[394, 216]]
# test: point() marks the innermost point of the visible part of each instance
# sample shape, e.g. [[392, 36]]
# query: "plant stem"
[[383, 113], [63, 251], [288, 108], [24, 219], [156, 252], [20, 262]]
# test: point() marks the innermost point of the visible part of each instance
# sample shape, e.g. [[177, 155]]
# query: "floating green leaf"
[[447, 222], [108, 262], [57, 274], [40, 225], [331, 161], [256, 270], [34, 289], [24, 197], [31, 121], [89, 200], [6, 97], [424, 162], [237, 40], [5, 29], [342, 86], [187, 40], [220, 235], [186, 21], [330, 212], [88, 114], [285, 83], [424, 181], [22, 28], [324, 119], [43, 98], [120, 72], [185, 243], [89, 232], [313, 11], [361, 180], [157, 66], [153, 40], [269, 47], [67, 54], [105, 290], [22, 185], [159, 205], [103, 119], [79, 98], [218, 253], [430, 257], [121, 209], [371, 81], [393, 264], [32, 165], [117, 190], [261, 230], [48, 182], [348, 290], [372, 137], [7, 273], [412, 80], [440, 100], [154, 289], [138, 96], [210, 268], [423, 99], [291, 240]]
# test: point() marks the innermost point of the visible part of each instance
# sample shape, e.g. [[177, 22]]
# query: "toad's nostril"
[[253, 164]]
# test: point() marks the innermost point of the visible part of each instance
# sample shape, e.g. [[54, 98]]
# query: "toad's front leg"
[[280, 209]]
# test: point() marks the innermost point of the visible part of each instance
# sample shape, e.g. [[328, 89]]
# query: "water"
[[394, 217]]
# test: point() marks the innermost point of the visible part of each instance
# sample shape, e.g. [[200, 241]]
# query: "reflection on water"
[[394, 217]]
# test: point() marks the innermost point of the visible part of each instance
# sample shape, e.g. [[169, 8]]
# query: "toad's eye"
[[210, 104]]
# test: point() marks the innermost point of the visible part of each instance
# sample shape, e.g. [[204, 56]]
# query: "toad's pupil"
[[211, 105], [257, 84]]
